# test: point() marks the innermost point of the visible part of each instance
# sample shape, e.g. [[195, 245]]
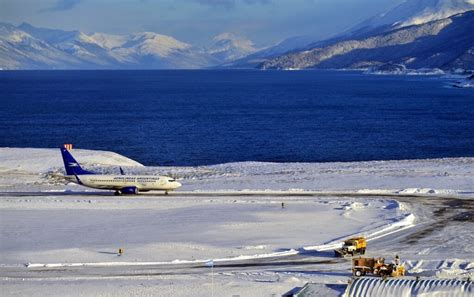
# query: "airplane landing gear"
[[117, 193], [166, 192]]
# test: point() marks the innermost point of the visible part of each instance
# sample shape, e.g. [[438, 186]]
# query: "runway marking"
[[240, 194]]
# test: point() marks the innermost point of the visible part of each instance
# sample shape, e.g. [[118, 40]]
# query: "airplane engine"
[[129, 190]]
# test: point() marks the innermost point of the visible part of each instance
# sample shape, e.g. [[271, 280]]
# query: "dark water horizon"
[[201, 117]]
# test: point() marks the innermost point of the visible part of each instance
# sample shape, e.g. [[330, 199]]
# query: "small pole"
[[283, 205], [211, 263]]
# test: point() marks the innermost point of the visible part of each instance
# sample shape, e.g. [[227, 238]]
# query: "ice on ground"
[[354, 205], [200, 229], [231, 212], [401, 222], [418, 191], [67, 232]]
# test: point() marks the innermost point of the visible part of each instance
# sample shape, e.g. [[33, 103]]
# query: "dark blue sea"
[[210, 117]]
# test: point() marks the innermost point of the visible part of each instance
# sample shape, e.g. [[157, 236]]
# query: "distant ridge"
[[414, 34], [29, 47], [446, 44], [363, 45]]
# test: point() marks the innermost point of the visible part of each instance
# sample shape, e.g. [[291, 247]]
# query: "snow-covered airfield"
[[58, 239]]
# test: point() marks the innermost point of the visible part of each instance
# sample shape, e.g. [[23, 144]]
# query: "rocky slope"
[[408, 13], [446, 43]]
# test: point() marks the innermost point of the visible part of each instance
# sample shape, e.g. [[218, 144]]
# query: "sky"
[[265, 22]]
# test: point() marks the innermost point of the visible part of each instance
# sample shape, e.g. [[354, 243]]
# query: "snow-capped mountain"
[[228, 47], [108, 40], [409, 12], [445, 44], [78, 44], [19, 50], [285, 46], [151, 50], [416, 12], [29, 47]]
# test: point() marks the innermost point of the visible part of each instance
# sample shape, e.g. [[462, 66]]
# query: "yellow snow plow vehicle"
[[352, 246], [376, 266]]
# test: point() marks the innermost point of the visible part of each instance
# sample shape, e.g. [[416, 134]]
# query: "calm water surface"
[[210, 117]]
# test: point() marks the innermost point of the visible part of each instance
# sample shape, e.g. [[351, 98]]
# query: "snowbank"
[[405, 221], [174, 262], [34, 160]]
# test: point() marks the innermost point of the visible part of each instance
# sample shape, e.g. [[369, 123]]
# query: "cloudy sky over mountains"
[[197, 21]]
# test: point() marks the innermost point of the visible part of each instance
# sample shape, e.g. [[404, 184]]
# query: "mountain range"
[[446, 44], [415, 34], [29, 47]]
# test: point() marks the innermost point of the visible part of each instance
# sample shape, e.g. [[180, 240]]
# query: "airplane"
[[122, 184]]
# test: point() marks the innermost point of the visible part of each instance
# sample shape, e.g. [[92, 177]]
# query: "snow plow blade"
[[340, 253]]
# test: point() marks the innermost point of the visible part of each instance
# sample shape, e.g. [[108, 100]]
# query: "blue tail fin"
[[71, 165]]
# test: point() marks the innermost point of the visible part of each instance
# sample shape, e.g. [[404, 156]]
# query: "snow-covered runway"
[[262, 241], [237, 226]]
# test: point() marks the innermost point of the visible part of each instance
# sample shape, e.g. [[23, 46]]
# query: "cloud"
[[62, 5], [229, 3]]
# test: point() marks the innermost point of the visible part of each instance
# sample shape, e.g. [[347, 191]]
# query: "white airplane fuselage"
[[122, 184], [118, 182]]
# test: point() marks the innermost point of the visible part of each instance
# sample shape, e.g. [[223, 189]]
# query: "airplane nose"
[[177, 185]]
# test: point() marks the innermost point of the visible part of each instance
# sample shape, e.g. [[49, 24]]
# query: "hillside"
[[445, 43]]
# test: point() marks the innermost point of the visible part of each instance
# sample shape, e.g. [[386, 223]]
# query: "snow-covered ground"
[[42, 170], [68, 236]]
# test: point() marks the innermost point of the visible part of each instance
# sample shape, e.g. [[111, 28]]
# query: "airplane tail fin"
[[71, 165]]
